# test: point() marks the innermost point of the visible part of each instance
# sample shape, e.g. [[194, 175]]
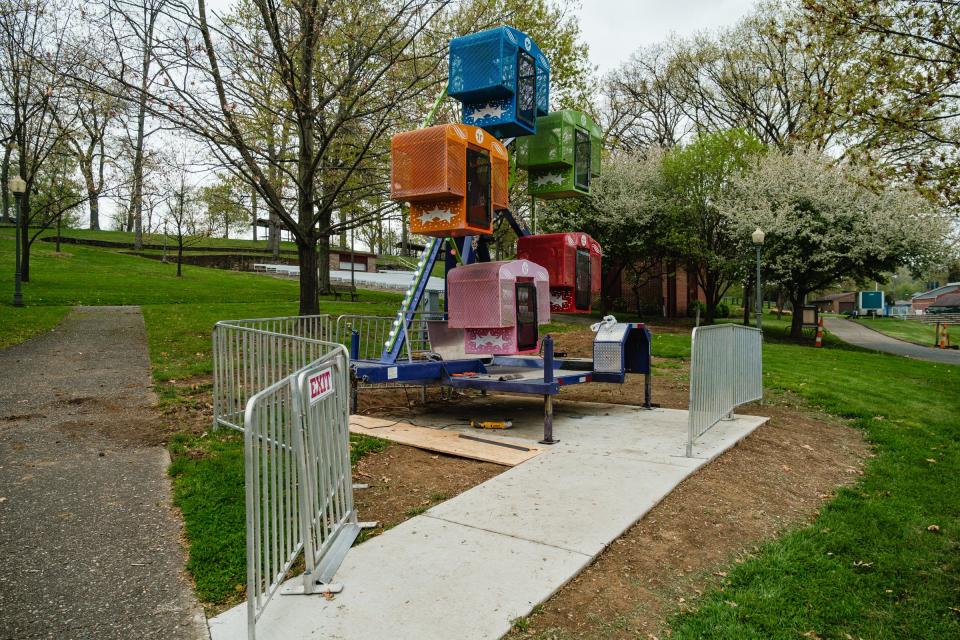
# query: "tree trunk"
[[253, 211], [796, 322], [4, 176], [747, 290], [404, 236], [94, 210], [273, 237], [59, 221], [180, 257], [307, 254]]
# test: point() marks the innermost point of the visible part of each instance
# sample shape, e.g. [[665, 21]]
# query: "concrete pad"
[[576, 502], [423, 579], [471, 565]]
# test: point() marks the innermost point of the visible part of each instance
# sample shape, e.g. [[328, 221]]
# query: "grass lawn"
[[908, 330], [882, 559], [20, 324]]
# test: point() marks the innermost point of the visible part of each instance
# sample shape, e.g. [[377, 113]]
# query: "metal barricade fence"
[[374, 332], [251, 355], [299, 491], [726, 370]]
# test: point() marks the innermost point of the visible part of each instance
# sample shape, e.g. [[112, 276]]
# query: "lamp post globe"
[[17, 187], [758, 237]]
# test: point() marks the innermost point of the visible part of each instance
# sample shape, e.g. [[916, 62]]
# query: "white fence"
[[299, 492], [726, 370]]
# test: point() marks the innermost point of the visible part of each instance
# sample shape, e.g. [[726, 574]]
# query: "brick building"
[[921, 301], [664, 289]]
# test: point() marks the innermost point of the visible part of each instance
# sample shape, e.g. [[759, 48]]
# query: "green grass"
[[20, 324], [908, 330], [868, 567]]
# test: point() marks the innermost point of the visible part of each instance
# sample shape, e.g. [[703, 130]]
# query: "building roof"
[[830, 297], [346, 251], [933, 293], [948, 300]]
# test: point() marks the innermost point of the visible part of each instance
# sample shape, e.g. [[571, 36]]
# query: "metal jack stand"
[[548, 398]]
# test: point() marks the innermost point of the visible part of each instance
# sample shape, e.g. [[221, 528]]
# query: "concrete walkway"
[[469, 566], [861, 336], [88, 539]]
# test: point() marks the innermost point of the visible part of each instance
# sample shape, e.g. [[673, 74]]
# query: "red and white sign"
[[321, 385]]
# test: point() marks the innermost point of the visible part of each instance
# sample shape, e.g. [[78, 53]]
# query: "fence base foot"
[[296, 588], [360, 485], [370, 524]]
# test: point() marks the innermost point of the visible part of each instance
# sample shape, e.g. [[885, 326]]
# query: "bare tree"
[[184, 217], [642, 103], [134, 26], [342, 67], [32, 39]]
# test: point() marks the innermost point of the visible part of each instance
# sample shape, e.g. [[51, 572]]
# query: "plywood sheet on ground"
[[449, 442]]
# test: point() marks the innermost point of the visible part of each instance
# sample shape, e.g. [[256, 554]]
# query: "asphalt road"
[[857, 334], [88, 537]]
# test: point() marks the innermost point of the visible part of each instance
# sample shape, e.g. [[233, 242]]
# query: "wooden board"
[[448, 442]]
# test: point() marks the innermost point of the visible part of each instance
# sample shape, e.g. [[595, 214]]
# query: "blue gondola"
[[502, 79]]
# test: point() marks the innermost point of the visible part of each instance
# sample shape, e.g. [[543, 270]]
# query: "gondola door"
[[526, 316], [582, 294], [479, 204]]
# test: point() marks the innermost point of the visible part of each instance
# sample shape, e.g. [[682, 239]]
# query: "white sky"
[[616, 28]]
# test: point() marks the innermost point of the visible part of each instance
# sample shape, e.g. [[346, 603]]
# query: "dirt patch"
[[405, 481], [124, 426], [774, 480]]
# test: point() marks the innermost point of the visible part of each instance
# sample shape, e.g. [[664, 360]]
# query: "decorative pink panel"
[[481, 295], [491, 342]]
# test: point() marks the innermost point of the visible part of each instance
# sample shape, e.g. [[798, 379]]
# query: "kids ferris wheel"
[[455, 179]]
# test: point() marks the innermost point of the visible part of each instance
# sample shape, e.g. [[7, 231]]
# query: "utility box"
[[454, 176], [563, 157], [499, 305], [502, 80], [572, 261], [620, 348]]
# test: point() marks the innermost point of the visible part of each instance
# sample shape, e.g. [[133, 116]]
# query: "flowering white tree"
[[625, 214], [824, 224]]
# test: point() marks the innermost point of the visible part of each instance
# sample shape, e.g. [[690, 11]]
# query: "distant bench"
[[340, 290]]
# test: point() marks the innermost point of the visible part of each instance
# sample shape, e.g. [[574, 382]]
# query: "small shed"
[[502, 80], [499, 305], [836, 302], [454, 176], [563, 157], [572, 261]]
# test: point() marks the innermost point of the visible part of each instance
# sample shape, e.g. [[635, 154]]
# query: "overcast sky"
[[616, 28]]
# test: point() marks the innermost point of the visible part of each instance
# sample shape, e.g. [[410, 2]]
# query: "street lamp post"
[[757, 237], [17, 187]]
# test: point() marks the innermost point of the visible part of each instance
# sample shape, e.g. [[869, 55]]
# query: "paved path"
[[861, 336], [87, 536], [468, 567]]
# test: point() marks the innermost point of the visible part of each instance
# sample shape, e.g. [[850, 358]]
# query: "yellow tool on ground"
[[491, 424]]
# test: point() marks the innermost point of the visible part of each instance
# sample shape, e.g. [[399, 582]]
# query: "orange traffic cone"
[[819, 342]]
